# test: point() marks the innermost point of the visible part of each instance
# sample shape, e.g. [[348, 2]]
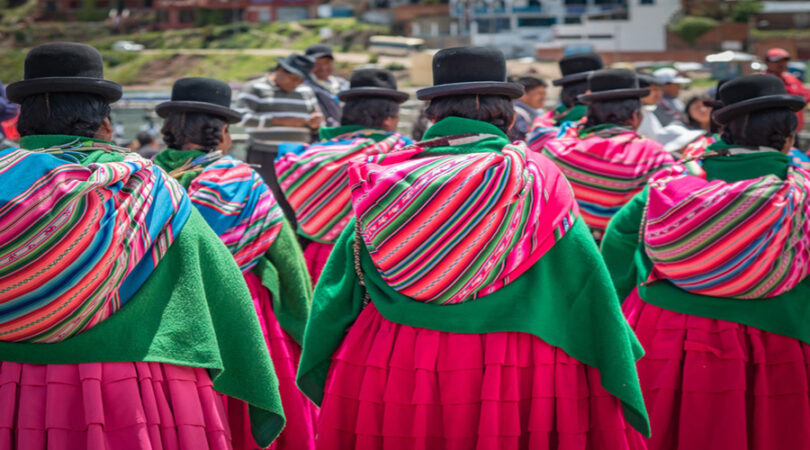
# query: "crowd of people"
[[623, 271]]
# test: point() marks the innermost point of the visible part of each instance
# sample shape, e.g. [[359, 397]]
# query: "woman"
[[699, 114], [105, 341], [430, 326], [315, 183], [604, 159], [240, 208], [717, 289]]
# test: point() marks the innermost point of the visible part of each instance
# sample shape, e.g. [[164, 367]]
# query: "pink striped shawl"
[[606, 170], [748, 239], [447, 228]]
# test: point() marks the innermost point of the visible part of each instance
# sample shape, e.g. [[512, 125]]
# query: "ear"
[[105, 130], [223, 135]]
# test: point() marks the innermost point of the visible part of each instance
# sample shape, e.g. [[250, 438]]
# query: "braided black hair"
[[181, 129], [368, 111], [619, 112], [71, 113], [495, 109], [570, 92], [765, 128]]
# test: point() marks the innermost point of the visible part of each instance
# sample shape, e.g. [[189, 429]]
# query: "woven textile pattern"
[[238, 205], [606, 169], [747, 239], [76, 240], [316, 184], [448, 227]]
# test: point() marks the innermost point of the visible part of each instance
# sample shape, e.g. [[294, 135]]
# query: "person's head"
[[574, 81], [569, 95], [614, 97], [534, 91], [654, 85], [371, 112], [64, 92], [292, 71], [198, 115], [698, 114], [196, 131], [372, 100], [758, 112], [495, 109], [144, 138], [470, 82], [776, 59], [69, 113], [672, 80], [324, 60]]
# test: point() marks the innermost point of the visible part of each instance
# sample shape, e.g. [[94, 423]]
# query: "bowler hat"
[[469, 71], [577, 67], [612, 84], [373, 83], [743, 95], [319, 51], [64, 67], [297, 64], [204, 95]]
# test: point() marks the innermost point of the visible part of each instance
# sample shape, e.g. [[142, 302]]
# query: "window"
[[536, 21], [572, 20], [647, 2]]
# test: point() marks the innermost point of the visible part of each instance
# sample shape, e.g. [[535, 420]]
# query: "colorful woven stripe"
[[748, 239], [606, 169], [698, 147], [316, 184], [239, 207], [447, 228], [78, 240], [537, 138]]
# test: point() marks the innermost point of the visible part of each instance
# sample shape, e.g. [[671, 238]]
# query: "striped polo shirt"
[[261, 100]]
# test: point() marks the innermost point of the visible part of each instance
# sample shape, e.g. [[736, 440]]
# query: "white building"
[[519, 26]]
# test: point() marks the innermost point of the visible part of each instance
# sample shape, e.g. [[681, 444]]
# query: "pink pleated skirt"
[[109, 406], [301, 414], [316, 254], [394, 386], [719, 385]]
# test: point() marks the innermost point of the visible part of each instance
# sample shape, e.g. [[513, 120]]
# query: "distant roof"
[[785, 7]]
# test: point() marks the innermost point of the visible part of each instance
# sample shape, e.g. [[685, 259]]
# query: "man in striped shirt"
[[278, 109]]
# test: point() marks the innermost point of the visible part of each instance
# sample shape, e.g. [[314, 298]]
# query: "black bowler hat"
[[743, 95], [373, 83], [319, 51], [612, 84], [297, 64], [577, 67], [469, 70], [204, 95], [64, 67]]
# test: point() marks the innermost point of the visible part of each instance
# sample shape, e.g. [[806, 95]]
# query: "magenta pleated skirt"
[[394, 386], [301, 413], [109, 406], [316, 254], [719, 385]]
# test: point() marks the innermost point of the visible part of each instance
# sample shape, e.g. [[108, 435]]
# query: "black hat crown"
[[373, 83], [577, 67], [64, 67], [752, 93], [297, 64], [204, 95], [470, 70], [612, 84]]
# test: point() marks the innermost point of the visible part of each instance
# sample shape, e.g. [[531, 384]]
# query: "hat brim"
[[397, 96], [679, 80], [511, 90], [726, 113], [109, 90], [167, 108], [289, 68], [321, 55], [776, 58], [614, 94], [573, 78]]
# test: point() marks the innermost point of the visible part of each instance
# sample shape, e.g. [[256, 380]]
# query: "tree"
[[690, 28], [744, 10]]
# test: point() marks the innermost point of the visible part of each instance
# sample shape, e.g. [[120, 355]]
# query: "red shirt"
[[794, 86]]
